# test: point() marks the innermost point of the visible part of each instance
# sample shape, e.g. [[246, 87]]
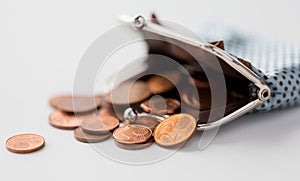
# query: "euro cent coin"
[[25, 143], [175, 130], [68, 121], [81, 136], [69, 103], [132, 134], [136, 146], [128, 93], [99, 124], [164, 82], [160, 106]]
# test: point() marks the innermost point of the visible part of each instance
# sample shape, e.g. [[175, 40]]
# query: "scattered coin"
[[99, 124], [160, 106], [64, 120], [25, 143], [175, 130], [128, 93], [136, 146], [132, 134], [76, 104], [81, 136], [163, 83], [148, 121]]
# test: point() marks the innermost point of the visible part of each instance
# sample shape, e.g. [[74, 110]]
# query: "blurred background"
[[41, 45]]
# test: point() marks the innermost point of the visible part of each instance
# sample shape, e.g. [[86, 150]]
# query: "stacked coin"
[[133, 137], [95, 119], [82, 114], [157, 117]]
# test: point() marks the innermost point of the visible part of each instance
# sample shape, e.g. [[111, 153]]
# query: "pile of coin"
[[151, 117], [158, 108]]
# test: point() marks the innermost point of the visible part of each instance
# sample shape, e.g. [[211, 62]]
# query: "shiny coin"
[[175, 130], [76, 103], [89, 138], [137, 146], [99, 124], [128, 93], [64, 120], [160, 106], [148, 121], [25, 143], [132, 134], [163, 83]]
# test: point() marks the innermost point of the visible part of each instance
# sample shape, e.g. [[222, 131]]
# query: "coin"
[[128, 93], [148, 121], [201, 84], [197, 99], [69, 103], [81, 136], [162, 83], [114, 111], [25, 143], [137, 146], [99, 124], [174, 130], [191, 99], [132, 134], [160, 106], [64, 120]]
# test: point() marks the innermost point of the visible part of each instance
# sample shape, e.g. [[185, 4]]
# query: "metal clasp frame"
[[263, 93]]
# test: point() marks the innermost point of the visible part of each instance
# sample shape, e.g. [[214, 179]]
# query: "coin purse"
[[265, 84]]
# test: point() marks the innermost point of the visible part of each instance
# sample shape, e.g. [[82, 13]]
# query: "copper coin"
[[175, 130], [201, 84], [148, 121], [162, 83], [197, 99], [25, 143], [69, 103], [191, 100], [64, 120], [160, 106], [107, 111], [81, 136], [111, 111], [137, 146], [99, 124], [128, 93], [132, 134]]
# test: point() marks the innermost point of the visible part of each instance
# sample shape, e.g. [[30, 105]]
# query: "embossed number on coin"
[[131, 134]]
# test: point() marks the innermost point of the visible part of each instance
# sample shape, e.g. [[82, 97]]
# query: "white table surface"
[[41, 44]]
